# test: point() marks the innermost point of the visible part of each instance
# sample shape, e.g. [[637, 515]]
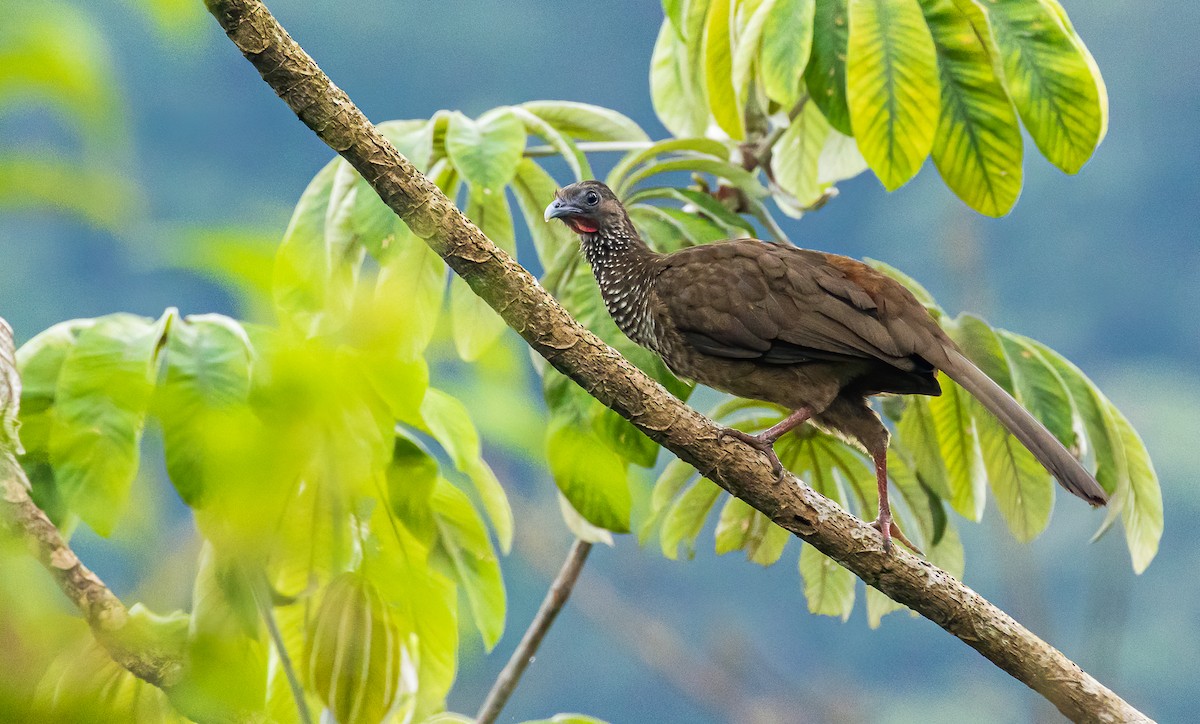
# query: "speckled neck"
[[625, 269]]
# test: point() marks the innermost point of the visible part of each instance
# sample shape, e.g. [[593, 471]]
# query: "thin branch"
[[556, 598], [553, 333], [102, 610], [591, 147]]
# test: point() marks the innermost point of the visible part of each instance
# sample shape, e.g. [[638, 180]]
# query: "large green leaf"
[[314, 280], [534, 188], [1051, 79], [447, 420], [699, 147], [977, 146], [958, 446], [486, 151], [675, 88], [592, 477], [476, 325], [208, 374], [103, 394], [1023, 489], [718, 69], [686, 516], [786, 43], [463, 540], [891, 87], [559, 141], [825, 75], [585, 122], [828, 587], [411, 477], [1039, 388], [1142, 511], [409, 292], [795, 157]]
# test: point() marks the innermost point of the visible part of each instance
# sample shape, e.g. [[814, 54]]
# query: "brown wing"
[[777, 304]]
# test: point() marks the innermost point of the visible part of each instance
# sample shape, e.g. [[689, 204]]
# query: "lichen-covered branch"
[[555, 335], [103, 611]]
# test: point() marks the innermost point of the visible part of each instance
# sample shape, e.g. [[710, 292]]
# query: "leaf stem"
[[556, 598]]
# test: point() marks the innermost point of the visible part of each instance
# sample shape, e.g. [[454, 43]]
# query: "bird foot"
[[760, 443], [889, 530]]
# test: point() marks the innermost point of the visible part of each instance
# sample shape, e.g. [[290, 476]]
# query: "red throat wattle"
[[579, 226]]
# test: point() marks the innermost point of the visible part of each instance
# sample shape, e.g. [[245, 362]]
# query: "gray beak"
[[559, 208]]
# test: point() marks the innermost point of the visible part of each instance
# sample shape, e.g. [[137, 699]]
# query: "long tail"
[[1032, 434]]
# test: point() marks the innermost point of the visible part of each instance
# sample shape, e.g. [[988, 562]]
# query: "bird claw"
[[889, 530], [767, 447]]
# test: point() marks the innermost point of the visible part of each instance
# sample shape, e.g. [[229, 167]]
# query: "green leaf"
[[786, 43], [567, 719], [411, 285], [702, 147], [1142, 510], [919, 435], [977, 146], [208, 375], [675, 88], [1050, 77], [411, 477], [476, 325], [413, 139], [585, 122], [592, 477], [701, 203], [464, 541], [826, 71], [747, 22], [486, 151], [686, 516], [794, 158], [579, 527], [103, 394], [1039, 388], [891, 87], [1023, 489], [670, 481], [534, 188], [576, 160], [958, 446], [314, 280], [828, 587], [447, 420], [226, 656], [744, 180], [718, 69], [39, 363]]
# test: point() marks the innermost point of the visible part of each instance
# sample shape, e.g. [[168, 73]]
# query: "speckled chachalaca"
[[816, 333]]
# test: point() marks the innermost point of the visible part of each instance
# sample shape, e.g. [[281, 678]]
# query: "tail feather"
[[1032, 434]]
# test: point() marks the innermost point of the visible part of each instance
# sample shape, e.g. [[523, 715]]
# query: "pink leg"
[[765, 441], [884, 523]]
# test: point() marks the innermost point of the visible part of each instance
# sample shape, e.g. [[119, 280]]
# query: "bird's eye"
[[592, 198]]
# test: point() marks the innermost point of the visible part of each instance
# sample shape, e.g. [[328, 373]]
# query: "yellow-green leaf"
[[1050, 78], [592, 477], [891, 87], [675, 89], [103, 395], [959, 448], [1142, 513], [825, 74], [787, 40], [718, 69], [977, 146], [795, 157], [828, 587], [486, 151], [1023, 489]]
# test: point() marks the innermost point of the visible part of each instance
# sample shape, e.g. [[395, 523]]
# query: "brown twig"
[[553, 333], [556, 598]]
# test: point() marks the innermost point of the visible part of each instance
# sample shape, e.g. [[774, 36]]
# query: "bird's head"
[[587, 207]]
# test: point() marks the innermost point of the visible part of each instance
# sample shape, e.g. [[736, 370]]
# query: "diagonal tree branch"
[[103, 611], [555, 335]]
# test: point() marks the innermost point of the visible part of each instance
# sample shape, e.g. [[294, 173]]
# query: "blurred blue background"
[[202, 159]]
